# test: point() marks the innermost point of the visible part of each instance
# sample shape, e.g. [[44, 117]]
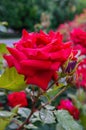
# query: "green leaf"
[[24, 112], [12, 126], [11, 80], [49, 107], [3, 48], [67, 121], [2, 97], [59, 127], [4, 123], [52, 92], [81, 95], [5, 118], [6, 114], [83, 116], [35, 117], [30, 126], [75, 101], [47, 116], [15, 109], [19, 122]]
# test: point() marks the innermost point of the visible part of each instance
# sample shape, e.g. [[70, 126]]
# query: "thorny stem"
[[33, 110], [53, 98], [26, 121], [53, 83], [42, 106]]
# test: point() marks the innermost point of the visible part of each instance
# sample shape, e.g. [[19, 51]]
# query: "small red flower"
[[67, 105], [17, 98]]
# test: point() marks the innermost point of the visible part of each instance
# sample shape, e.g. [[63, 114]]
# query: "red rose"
[[17, 98], [38, 56], [78, 37], [81, 74], [67, 105]]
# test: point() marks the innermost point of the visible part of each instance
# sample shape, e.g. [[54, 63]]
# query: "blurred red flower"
[[67, 105], [17, 98], [78, 37], [81, 74]]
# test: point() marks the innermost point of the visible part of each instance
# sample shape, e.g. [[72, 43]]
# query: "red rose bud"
[[71, 66], [38, 56], [67, 105], [17, 98]]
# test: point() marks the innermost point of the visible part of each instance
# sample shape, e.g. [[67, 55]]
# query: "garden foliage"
[[43, 75], [42, 84], [26, 13]]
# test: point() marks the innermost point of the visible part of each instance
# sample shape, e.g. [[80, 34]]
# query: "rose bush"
[[38, 56], [39, 60], [78, 22]]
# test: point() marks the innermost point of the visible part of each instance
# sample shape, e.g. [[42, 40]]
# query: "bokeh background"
[[36, 14]]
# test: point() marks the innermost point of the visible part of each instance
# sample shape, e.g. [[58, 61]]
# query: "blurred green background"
[[38, 14]]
